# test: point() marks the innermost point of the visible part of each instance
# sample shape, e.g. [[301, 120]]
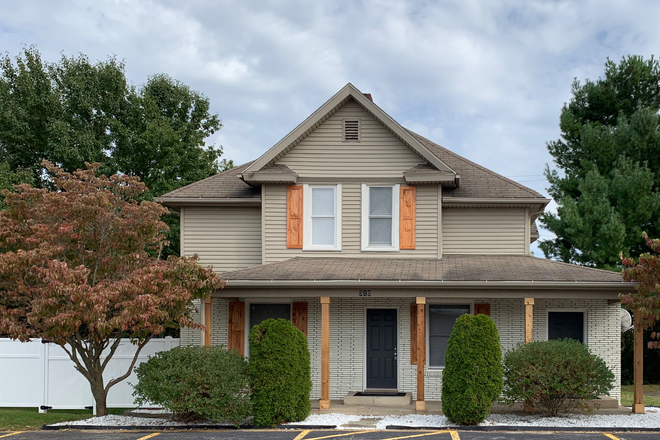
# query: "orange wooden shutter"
[[294, 217], [408, 210], [413, 333], [482, 309], [236, 325], [299, 316]]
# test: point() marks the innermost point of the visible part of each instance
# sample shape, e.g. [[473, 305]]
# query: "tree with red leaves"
[[79, 267], [646, 300]]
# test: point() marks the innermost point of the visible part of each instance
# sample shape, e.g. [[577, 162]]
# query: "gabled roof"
[[476, 182], [323, 113], [450, 271]]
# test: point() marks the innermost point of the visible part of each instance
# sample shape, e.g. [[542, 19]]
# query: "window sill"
[[375, 249], [308, 249]]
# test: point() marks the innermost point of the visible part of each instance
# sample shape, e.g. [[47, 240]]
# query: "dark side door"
[[381, 349]]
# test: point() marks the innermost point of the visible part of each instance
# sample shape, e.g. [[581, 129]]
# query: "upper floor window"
[[322, 217], [380, 217]]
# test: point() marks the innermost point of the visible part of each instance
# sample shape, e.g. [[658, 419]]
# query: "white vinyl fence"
[[36, 375]]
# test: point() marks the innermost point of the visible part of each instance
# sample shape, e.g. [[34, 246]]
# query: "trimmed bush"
[[279, 373], [555, 376], [472, 378], [196, 383]]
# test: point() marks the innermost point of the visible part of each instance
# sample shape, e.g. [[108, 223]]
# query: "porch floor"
[[338, 407]]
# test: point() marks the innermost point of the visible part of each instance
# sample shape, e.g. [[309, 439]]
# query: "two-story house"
[[372, 240]]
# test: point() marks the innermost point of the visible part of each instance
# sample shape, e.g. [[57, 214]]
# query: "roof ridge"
[[215, 176], [491, 172]]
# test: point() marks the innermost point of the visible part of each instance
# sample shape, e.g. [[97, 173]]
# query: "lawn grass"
[[627, 394], [28, 419]]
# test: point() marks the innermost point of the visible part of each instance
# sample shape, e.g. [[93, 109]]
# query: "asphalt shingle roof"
[[449, 268], [476, 181], [223, 185]]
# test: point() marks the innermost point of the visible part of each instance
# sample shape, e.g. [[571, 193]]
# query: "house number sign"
[[364, 292]]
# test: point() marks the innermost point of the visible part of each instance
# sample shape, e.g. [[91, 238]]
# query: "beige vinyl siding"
[[483, 231], [324, 153], [274, 199], [226, 238]]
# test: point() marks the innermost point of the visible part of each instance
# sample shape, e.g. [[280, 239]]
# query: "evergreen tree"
[[608, 159]]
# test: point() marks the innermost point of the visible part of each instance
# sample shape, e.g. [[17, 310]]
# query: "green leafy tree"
[[75, 111], [608, 178], [9, 178]]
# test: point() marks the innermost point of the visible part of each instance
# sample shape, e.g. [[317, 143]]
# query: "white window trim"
[[427, 313], [395, 219], [585, 323], [307, 218]]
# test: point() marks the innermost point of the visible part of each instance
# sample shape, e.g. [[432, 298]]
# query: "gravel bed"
[[151, 411], [114, 420], [649, 420]]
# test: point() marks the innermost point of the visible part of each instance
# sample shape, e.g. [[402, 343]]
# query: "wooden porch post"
[[529, 320], [529, 337], [208, 307], [420, 404], [638, 398], [324, 403]]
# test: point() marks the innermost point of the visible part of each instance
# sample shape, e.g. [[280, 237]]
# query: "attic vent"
[[352, 130]]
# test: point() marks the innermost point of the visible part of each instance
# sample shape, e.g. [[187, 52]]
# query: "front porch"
[[336, 325]]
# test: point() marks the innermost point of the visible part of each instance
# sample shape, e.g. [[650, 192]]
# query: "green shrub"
[[472, 378], [279, 373], [555, 376], [196, 383]]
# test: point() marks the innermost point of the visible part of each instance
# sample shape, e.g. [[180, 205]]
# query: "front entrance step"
[[377, 400]]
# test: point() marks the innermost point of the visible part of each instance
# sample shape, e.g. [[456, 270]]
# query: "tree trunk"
[[99, 392]]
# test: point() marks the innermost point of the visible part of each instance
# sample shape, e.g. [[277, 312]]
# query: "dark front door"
[[381, 348]]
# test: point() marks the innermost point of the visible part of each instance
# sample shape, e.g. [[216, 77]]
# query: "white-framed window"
[[441, 320], [322, 217], [380, 217], [567, 324]]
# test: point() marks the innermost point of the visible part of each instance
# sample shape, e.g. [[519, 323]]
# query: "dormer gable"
[[353, 131]]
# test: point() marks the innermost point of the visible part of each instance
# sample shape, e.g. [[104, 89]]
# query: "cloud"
[[485, 79]]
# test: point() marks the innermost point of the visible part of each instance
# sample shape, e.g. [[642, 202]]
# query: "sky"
[[485, 79]]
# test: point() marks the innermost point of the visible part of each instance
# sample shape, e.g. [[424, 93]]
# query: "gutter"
[[618, 285], [182, 201], [494, 200]]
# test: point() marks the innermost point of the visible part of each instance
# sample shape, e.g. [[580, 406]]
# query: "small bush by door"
[[196, 383], [556, 376], [279, 372], [472, 378]]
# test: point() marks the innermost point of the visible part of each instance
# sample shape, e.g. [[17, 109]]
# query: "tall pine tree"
[[607, 185]]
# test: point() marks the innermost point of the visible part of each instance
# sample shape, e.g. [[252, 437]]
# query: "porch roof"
[[450, 271]]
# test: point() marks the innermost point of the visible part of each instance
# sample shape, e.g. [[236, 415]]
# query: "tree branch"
[[130, 368]]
